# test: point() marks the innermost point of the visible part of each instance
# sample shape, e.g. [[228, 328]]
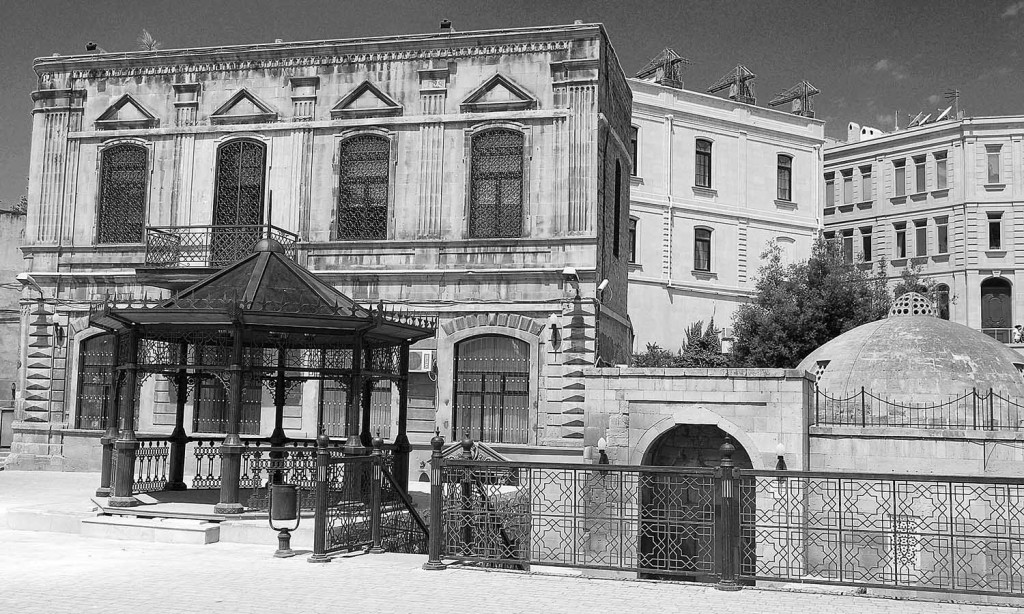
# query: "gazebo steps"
[[259, 532], [47, 520], [166, 530]]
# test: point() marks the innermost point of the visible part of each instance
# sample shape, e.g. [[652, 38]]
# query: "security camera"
[[90, 46], [602, 285], [569, 273]]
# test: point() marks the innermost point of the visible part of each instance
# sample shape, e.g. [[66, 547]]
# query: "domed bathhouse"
[[913, 393]]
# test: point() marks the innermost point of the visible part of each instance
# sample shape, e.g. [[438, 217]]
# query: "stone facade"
[[558, 91], [947, 196], [743, 207], [12, 233]]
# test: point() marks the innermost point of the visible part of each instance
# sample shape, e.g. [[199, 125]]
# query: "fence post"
[[728, 522], [377, 477], [974, 405], [863, 409], [991, 410], [467, 491], [323, 461], [436, 501], [817, 412]]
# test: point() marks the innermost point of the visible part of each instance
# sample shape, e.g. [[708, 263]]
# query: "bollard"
[[436, 501], [375, 494], [726, 474]]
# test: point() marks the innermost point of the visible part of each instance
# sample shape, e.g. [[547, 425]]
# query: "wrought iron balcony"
[[209, 246], [1003, 335]]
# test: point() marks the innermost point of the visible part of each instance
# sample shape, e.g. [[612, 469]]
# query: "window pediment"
[[366, 100], [244, 107], [499, 93], [125, 114]]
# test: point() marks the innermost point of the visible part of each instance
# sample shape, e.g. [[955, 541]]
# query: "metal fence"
[[209, 246], [973, 410], [951, 534]]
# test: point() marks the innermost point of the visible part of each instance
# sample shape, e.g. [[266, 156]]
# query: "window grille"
[[785, 187], [122, 206], [95, 385], [363, 188], [496, 193], [702, 176], [702, 249], [492, 389]]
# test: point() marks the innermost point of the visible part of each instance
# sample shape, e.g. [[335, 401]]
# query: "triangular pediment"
[[126, 113], [244, 108], [366, 100], [499, 93]]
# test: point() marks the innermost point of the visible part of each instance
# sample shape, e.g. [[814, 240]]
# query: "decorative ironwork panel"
[[207, 474], [496, 191], [122, 206], [363, 188], [621, 518], [349, 491], [384, 359], [194, 246], [912, 532], [402, 528], [152, 464], [492, 389], [294, 463], [95, 382], [380, 407]]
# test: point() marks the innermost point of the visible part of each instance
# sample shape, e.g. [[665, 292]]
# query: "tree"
[[799, 307], [701, 349], [147, 42]]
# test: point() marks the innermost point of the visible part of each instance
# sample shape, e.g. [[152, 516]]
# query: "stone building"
[[945, 196], [12, 233], [482, 177], [716, 180]]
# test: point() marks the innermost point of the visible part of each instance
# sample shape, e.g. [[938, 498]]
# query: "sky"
[[870, 59]]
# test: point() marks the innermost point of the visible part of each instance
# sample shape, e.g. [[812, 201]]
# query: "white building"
[[715, 181]]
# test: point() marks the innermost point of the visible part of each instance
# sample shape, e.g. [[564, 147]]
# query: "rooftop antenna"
[[666, 68], [896, 121], [737, 81], [954, 95], [800, 95]]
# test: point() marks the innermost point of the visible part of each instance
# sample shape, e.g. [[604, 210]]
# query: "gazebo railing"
[[973, 410], [210, 246]]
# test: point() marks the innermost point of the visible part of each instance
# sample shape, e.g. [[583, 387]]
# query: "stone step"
[[167, 530], [48, 520], [259, 532]]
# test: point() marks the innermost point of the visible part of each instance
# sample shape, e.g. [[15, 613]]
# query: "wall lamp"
[[602, 445], [554, 332], [28, 281]]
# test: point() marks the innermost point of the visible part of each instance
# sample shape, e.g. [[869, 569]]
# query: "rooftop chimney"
[[446, 26]]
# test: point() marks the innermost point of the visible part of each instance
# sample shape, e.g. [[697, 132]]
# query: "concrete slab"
[[164, 530]]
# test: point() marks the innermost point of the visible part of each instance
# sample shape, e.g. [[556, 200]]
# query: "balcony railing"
[[209, 246], [1003, 335]]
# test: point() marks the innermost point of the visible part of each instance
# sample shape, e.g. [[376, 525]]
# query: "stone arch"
[[698, 415]]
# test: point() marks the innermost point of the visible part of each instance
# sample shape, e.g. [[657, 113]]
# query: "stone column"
[[127, 445], [176, 480], [231, 449]]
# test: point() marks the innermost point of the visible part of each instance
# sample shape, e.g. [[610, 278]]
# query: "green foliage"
[[147, 42], [797, 308], [701, 349]]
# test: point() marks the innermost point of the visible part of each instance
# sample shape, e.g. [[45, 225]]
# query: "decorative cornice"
[[130, 70]]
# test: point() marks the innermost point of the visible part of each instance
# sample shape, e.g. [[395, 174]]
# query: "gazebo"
[[264, 319]]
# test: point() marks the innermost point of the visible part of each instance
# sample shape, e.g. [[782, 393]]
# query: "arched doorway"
[[997, 308], [678, 511], [492, 389], [942, 300]]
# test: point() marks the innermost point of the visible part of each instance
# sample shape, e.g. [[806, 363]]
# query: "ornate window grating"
[[496, 192], [912, 304], [363, 188], [122, 206], [239, 200]]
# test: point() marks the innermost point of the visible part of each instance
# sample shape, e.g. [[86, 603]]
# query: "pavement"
[[62, 572]]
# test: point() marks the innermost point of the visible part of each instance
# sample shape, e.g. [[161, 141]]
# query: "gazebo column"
[[127, 445], [354, 445], [402, 447], [176, 479], [277, 437], [231, 449], [110, 436]]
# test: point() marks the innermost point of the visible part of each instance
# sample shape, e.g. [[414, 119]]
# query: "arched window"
[[785, 169], [492, 389], [122, 206], [996, 308], [238, 200], [496, 191], [95, 382], [702, 249], [363, 188], [702, 177], [942, 300]]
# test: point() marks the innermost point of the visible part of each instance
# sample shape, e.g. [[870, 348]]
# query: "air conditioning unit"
[[421, 361]]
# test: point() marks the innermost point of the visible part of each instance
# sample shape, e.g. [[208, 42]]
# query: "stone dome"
[[914, 356]]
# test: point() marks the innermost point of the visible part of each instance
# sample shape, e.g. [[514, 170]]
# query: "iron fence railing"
[[950, 534], [1002, 335], [935, 533], [209, 246], [973, 410]]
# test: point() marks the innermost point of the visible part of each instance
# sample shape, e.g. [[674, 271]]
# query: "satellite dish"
[[915, 121], [924, 119], [943, 115]]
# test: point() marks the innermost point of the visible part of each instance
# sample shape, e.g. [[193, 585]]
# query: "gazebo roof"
[[268, 291]]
